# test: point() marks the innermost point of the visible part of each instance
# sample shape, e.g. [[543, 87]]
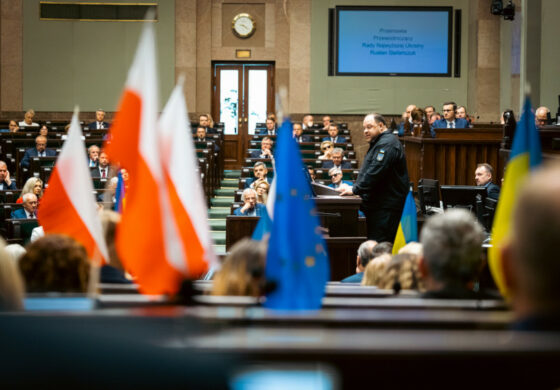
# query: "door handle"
[[245, 120], [240, 120]]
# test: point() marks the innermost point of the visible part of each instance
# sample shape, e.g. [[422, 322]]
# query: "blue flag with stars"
[[297, 260]]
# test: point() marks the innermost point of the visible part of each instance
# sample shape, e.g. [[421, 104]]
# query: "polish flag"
[[148, 240], [183, 182], [68, 205]]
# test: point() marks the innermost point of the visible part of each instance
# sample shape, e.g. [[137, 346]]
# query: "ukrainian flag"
[[119, 194], [525, 156], [408, 227]]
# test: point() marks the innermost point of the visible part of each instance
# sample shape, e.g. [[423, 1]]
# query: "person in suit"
[[5, 182], [260, 172], [103, 169], [333, 135], [542, 116], [406, 117], [367, 251], [266, 149], [336, 178], [307, 122], [40, 150], [29, 210], [99, 123], [297, 134], [483, 177], [530, 257], [449, 121], [429, 110], [270, 126], [250, 207], [205, 121], [327, 121], [337, 160], [28, 119], [93, 156]]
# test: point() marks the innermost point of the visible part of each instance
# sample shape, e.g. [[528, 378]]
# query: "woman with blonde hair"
[[327, 148], [375, 269], [262, 187], [402, 273], [242, 271], [33, 185], [11, 282]]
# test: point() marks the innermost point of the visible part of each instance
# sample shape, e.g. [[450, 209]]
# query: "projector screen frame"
[[447, 9]]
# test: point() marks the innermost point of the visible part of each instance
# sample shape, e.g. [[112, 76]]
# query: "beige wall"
[[85, 63]]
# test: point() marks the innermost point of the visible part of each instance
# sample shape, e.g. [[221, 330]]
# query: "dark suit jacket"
[[93, 125], [265, 131], [345, 164], [460, 123], [95, 173], [29, 153], [338, 139], [257, 154], [250, 181], [259, 207], [19, 214], [12, 186], [493, 190]]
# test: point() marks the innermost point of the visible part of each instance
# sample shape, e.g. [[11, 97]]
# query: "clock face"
[[243, 25]]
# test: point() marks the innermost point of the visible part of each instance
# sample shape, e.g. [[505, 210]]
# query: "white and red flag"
[[68, 205], [150, 236]]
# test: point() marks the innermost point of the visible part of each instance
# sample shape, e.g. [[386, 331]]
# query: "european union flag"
[[297, 259], [408, 227]]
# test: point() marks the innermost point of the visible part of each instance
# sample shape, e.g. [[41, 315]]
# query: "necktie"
[[31, 215], [103, 174]]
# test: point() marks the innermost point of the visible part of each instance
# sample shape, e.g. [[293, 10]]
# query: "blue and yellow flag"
[[119, 194], [297, 260], [408, 227], [525, 156]]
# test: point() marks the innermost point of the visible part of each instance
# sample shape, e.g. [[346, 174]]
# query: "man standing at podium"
[[382, 182]]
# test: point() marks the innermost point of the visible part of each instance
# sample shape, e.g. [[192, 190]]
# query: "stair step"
[[222, 202], [229, 183], [217, 224], [220, 250], [232, 174], [219, 237], [219, 212], [230, 192]]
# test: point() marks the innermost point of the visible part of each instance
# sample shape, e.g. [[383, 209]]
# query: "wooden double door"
[[242, 96]]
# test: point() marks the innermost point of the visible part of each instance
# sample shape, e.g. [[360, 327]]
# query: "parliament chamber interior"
[[279, 193]]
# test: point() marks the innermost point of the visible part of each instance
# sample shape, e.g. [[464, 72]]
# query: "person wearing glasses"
[[327, 148], [450, 121], [336, 179]]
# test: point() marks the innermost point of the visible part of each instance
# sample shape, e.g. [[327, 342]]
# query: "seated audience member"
[[15, 251], [29, 210], [5, 182], [401, 274], [326, 122], [415, 123], [542, 116], [12, 127], [327, 148], [436, 116], [262, 187], [11, 282], [93, 156], [33, 185], [312, 174], [337, 161], [266, 149], [413, 248], [297, 134], [365, 254], [103, 170], [55, 263], [429, 110], [28, 119], [375, 269], [506, 115], [461, 112], [452, 245], [307, 122], [406, 118], [205, 121], [113, 271], [336, 178], [270, 126], [530, 258], [333, 135], [242, 272], [200, 134], [483, 177], [99, 123], [40, 150], [450, 121], [250, 206], [260, 172], [44, 130]]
